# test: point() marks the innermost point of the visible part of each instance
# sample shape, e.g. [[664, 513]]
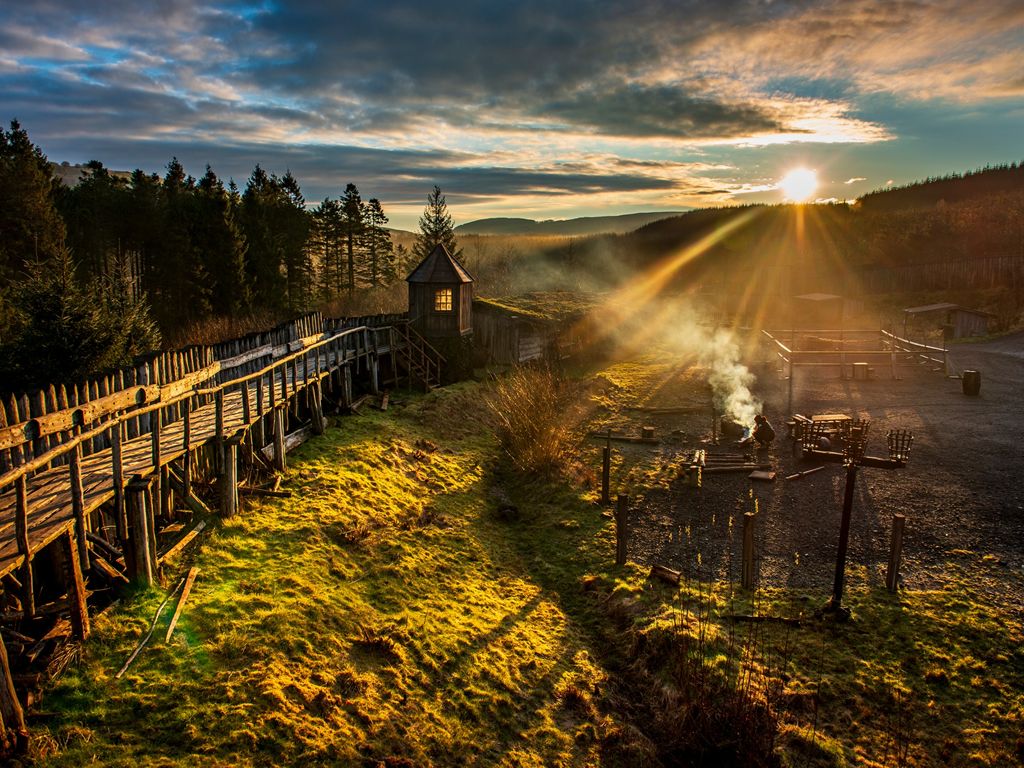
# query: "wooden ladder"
[[421, 361]]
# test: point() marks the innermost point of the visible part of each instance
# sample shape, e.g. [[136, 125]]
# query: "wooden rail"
[[918, 349]]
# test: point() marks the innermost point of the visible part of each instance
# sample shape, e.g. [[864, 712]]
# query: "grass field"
[[386, 614]]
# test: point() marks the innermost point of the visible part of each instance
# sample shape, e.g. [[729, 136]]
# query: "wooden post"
[[28, 600], [218, 460], [76, 589], [374, 373], [186, 441], [747, 576], [141, 567], [621, 529], [229, 480], [259, 439], [78, 503], [892, 575], [11, 713], [280, 461], [844, 539], [346, 387], [789, 400], [317, 409], [158, 427], [606, 470]]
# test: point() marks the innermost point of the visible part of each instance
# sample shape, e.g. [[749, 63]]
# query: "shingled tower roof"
[[440, 267]]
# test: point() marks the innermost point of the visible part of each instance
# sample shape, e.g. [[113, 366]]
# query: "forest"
[[95, 273]]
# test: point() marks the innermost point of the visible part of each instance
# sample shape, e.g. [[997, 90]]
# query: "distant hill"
[[586, 225], [954, 188], [70, 174]]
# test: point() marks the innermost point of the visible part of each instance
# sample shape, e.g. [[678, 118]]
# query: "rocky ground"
[[962, 490]]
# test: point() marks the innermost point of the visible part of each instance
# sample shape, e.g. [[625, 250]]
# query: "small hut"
[[955, 321], [441, 296]]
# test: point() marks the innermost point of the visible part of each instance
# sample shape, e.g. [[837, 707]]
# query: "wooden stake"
[[192, 573], [229, 480], [892, 575], [11, 713], [606, 469], [280, 461], [76, 589], [78, 505], [747, 579], [141, 568]]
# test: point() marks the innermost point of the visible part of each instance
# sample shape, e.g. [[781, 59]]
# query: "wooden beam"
[[15, 733], [28, 599], [189, 581], [76, 589], [183, 542]]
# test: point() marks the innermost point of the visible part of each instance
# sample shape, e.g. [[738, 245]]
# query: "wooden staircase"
[[422, 363]]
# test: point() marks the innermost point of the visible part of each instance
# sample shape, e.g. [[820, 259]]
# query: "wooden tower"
[[441, 297]]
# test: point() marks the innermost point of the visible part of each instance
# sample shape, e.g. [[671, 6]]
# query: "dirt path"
[[962, 492]]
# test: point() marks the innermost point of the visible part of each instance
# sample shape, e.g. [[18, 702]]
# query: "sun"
[[799, 184]]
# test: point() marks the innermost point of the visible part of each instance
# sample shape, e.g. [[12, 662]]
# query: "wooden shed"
[[441, 296], [956, 322]]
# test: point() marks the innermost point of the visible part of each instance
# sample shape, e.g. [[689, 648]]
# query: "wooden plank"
[[28, 598], [189, 581], [183, 542], [76, 590]]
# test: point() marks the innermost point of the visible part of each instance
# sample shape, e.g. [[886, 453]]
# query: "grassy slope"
[[384, 612], [378, 612]]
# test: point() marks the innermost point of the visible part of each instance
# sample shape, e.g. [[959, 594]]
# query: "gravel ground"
[[962, 491]]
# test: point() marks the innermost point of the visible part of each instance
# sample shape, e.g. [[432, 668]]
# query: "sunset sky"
[[536, 109]]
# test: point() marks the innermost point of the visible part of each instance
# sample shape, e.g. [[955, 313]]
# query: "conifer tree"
[[31, 229], [220, 245], [379, 267], [435, 228], [352, 215], [325, 247]]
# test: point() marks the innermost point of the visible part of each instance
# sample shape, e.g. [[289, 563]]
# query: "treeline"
[[952, 188], [95, 273]]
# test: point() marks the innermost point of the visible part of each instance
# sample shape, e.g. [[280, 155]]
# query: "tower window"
[[443, 300]]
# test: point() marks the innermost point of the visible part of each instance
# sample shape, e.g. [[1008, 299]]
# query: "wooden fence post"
[[892, 575], [218, 418], [747, 579], [621, 529], [280, 462], [141, 569], [316, 406], [11, 713], [76, 588], [78, 503], [28, 600], [374, 372], [229, 480]]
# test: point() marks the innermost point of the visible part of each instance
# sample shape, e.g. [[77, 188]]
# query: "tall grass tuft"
[[533, 420]]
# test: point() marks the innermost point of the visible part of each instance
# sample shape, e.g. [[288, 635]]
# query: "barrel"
[[972, 383]]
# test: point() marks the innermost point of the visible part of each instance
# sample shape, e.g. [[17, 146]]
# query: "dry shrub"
[[532, 420]]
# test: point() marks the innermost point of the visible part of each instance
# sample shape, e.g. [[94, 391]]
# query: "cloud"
[[854, 179]]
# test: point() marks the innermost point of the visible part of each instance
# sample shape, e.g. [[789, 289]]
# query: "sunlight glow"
[[799, 184]]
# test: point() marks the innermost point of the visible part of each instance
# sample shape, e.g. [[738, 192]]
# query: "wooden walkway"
[[44, 499]]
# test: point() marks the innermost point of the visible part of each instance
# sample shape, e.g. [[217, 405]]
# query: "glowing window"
[[443, 300]]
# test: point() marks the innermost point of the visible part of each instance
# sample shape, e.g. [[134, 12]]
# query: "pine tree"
[[325, 247], [435, 228], [379, 268], [220, 246], [352, 215], [31, 229]]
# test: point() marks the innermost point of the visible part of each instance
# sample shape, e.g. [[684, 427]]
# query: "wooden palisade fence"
[[90, 473]]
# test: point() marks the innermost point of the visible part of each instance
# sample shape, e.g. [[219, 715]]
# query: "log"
[[108, 572], [762, 475], [192, 573], [665, 574], [11, 713], [183, 542], [357, 404], [194, 502], [725, 469], [384, 401], [111, 552], [76, 588], [289, 443], [798, 475]]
